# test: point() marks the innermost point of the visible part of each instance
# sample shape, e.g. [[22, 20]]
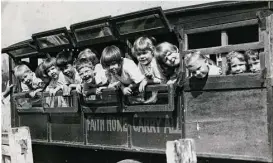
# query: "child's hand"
[[99, 90], [148, 75], [156, 81], [171, 81], [66, 90], [79, 88], [32, 93], [51, 92], [142, 85], [115, 85], [127, 91]]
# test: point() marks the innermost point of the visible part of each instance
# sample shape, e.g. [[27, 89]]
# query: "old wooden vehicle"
[[229, 116]]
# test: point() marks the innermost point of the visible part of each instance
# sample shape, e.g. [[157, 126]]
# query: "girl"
[[143, 49], [237, 63], [169, 61], [253, 61], [57, 82], [122, 72], [199, 65]]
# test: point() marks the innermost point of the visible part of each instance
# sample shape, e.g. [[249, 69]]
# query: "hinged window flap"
[[151, 21], [93, 31], [53, 40], [21, 50]]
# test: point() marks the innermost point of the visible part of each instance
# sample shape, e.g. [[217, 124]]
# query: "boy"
[[28, 79], [85, 69], [200, 66], [64, 61]]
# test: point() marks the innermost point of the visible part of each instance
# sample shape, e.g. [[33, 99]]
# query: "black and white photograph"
[[137, 81]]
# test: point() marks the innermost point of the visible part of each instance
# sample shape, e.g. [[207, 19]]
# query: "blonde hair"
[[162, 49], [240, 56], [142, 44], [81, 63], [20, 69], [90, 55]]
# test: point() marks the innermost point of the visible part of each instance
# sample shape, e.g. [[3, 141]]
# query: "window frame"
[[104, 22]]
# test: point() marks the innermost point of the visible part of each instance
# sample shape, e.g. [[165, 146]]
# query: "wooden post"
[[16, 146], [181, 151]]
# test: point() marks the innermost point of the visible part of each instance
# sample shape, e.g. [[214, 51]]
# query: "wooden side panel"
[[107, 130], [231, 123], [37, 124], [66, 128], [153, 130]]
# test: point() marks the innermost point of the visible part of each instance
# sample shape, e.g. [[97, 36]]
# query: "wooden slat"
[[269, 47], [229, 48], [222, 26], [146, 108], [241, 81]]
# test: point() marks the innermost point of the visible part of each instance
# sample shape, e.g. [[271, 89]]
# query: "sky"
[[21, 19]]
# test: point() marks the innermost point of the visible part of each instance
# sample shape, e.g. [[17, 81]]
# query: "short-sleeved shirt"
[[129, 73], [214, 70], [36, 84], [152, 68], [100, 75]]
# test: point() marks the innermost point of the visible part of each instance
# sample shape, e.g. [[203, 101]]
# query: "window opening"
[[244, 34], [204, 40]]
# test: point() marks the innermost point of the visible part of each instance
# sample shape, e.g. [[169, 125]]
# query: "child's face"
[[69, 70], [145, 57], [198, 67], [172, 59], [86, 74], [237, 66], [53, 72], [26, 78], [114, 68], [254, 65]]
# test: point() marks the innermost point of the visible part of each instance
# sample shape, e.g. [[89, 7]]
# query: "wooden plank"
[[269, 47], [220, 20], [222, 26], [229, 48], [181, 17], [224, 38], [241, 81], [231, 123], [181, 151]]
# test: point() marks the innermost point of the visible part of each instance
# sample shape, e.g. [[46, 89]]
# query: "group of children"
[[156, 64]]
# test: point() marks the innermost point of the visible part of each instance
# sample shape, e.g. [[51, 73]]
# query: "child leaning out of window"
[[85, 68], [143, 50], [28, 79], [64, 61], [121, 72], [57, 82], [199, 65]]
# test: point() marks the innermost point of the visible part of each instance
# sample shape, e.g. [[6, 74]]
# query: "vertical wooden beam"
[[224, 42], [269, 47], [268, 55], [181, 151]]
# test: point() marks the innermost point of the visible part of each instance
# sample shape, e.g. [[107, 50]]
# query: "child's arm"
[[33, 93]]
